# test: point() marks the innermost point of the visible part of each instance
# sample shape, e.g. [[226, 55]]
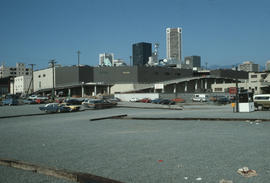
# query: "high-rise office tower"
[[141, 53], [249, 66], [267, 65], [174, 43], [193, 61]]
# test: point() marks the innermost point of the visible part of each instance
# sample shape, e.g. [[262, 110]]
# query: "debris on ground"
[[225, 181], [246, 172], [199, 178], [186, 178]]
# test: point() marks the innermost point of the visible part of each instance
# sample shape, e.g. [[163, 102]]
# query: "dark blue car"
[[54, 107], [10, 101]]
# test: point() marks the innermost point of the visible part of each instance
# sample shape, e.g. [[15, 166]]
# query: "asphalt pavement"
[[154, 151]]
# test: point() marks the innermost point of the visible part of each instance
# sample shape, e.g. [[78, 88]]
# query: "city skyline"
[[221, 32]]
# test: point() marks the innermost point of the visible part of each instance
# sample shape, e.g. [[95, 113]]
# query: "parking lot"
[[137, 150]]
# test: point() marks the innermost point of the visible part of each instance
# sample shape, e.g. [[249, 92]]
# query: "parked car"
[[200, 98], [29, 101], [114, 99], [167, 102], [10, 101], [54, 107], [72, 108], [178, 100], [145, 100], [73, 102], [156, 101], [133, 99], [262, 101], [40, 101], [33, 97], [222, 100], [98, 103]]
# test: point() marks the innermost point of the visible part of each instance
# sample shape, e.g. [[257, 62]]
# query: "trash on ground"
[[225, 181], [186, 178], [246, 172], [199, 178]]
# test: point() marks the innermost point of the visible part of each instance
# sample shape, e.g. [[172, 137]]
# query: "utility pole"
[[237, 93], [78, 52], [32, 80], [52, 62]]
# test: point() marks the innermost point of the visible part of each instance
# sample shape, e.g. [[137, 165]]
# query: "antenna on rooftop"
[[156, 51]]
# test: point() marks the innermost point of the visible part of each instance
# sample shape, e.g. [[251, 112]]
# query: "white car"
[[133, 99], [33, 97], [200, 98]]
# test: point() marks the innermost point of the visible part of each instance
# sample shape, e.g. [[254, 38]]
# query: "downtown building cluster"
[[146, 70]]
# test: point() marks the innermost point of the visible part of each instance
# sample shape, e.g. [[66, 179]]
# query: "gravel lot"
[[155, 151]]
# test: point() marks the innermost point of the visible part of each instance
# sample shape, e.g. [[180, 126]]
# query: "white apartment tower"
[[106, 59], [174, 43]]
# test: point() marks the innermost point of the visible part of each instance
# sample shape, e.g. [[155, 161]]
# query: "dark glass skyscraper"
[[141, 53]]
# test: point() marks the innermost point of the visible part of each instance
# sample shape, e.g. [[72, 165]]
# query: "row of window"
[[167, 73], [14, 69], [19, 73], [44, 75]]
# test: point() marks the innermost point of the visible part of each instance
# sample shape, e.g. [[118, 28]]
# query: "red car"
[[145, 100], [178, 100]]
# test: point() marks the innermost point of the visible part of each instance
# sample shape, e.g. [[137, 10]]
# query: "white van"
[[262, 101], [200, 98]]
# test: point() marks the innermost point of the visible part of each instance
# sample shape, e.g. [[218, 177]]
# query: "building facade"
[[174, 43], [119, 62], [141, 53], [43, 79], [138, 74], [193, 61], [19, 70], [258, 83], [249, 66], [22, 85], [267, 66], [106, 59]]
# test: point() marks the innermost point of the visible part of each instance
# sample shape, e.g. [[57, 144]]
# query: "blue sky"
[[222, 32]]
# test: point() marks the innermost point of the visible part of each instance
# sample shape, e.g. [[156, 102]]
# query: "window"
[[39, 84], [44, 75], [39, 76], [218, 89], [253, 76]]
